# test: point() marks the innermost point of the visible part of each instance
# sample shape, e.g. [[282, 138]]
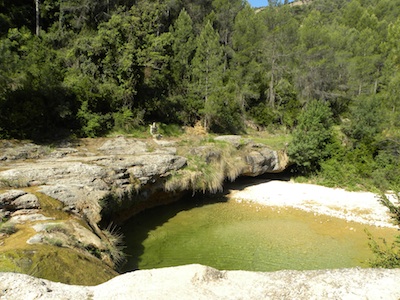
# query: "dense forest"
[[326, 71]]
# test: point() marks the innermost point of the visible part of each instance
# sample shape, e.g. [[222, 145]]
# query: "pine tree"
[[207, 71]]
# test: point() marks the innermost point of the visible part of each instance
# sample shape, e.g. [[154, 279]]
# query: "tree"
[[33, 103], [207, 72], [392, 74], [37, 9], [183, 47], [311, 137], [246, 69], [279, 41], [366, 121], [226, 11]]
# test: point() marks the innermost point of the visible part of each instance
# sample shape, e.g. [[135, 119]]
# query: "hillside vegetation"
[[327, 72]]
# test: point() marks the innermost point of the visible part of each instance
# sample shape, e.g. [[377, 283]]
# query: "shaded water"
[[230, 236]]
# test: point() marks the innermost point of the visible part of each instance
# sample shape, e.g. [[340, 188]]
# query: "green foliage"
[[387, 256], [311, 137], [350, 168], [125, 120], [170, 130], [367, 121], [113, 66], [93, 124]]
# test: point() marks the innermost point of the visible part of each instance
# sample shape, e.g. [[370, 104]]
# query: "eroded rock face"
[[259, 159], [81, 178], [201, 282], [80, 181], [108, 181], [18, 206]]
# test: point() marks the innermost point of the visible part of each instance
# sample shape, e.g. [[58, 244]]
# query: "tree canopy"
[[98, 66]]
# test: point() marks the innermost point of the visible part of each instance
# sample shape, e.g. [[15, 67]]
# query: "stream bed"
[[228, 235]]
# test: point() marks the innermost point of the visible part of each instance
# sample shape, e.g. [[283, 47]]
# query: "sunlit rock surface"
[[201, 282]]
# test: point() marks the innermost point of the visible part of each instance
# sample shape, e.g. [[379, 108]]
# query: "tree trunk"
[[271, 92], [37, 3]]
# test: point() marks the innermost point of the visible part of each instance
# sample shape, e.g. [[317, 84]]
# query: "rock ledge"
[[201, 282]]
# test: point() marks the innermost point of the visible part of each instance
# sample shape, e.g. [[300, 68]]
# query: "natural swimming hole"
[[227, 235]]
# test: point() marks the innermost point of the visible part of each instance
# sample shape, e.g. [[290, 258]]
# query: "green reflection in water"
[[242, 236]]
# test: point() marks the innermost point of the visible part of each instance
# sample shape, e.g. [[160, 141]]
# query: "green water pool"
[[240, 236]]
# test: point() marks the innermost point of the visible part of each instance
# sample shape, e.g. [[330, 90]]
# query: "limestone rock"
[[67, 232], [122, 146], [27, 201], [27, 216], [7, 197], [261, 162], [20, 206], [235, 140], [201, 282]]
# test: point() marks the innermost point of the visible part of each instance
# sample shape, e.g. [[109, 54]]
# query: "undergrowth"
[[387, 255]]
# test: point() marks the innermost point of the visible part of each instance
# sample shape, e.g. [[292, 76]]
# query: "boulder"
[[8, 197], [235, 140], [27, 201], [262, 161]]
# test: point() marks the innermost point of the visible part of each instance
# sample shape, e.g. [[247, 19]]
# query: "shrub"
[[387, 256], [8, 228], [116, 245], [311, 137]]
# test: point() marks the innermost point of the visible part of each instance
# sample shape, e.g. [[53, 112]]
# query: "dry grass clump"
[[196, 180], [197, 130], [116, 245], [207, 168], [283, 159], [19, 182]]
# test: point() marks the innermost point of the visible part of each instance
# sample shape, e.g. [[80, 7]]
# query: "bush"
[[387, 256], [311, 137]]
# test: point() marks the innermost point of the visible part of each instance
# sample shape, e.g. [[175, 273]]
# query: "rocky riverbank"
[[360, 207], [53, 201], [64, 198]]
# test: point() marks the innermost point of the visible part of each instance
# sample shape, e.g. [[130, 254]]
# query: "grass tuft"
[[116, 246], [8, 228]]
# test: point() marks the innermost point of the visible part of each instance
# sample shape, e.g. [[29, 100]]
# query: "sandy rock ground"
[[201, 282], [362, 207]]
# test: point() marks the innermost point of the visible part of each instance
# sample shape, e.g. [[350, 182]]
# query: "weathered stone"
[[122, 146], [29, 217], [261, 162], [123, 165], [62, 152], [201, 282], [9, 196], [66, 230], [235, 140], [28, 201], [36, 239]]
